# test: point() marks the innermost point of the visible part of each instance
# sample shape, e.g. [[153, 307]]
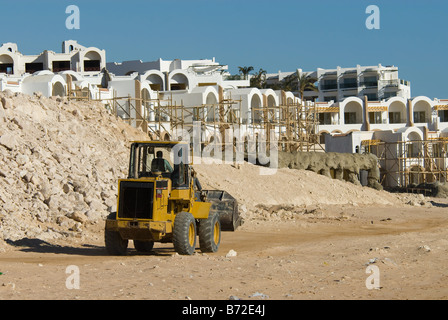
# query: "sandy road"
[[322, 256]]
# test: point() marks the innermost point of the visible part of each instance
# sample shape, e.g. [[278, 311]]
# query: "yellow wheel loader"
[[163, 201]]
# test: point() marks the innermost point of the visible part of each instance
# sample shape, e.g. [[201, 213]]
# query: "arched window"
[[58, 89], [179, 82], [6, 64], [92, 61]]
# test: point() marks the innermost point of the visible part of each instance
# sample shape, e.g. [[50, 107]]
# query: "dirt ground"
[[321, 254]]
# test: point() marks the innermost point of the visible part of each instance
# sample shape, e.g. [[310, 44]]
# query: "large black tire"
[[115, 245], [210, 233], [143, 246], [184, 233]]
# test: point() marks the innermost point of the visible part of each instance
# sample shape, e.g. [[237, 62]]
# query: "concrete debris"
[[372, 261], [259, 295], [425, 248], [231, 253]]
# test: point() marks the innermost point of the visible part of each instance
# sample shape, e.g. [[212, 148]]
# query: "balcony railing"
[[369, 84], [390, 83], [329, 87], [396, 121], [349, 85], [422, 120]]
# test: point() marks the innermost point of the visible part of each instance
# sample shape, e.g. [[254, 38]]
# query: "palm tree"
[[245, 71], [258, 80], [305, 82], [289, 83]]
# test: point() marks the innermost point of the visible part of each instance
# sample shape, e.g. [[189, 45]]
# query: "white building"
[[172, 75], [355, 114], [44, 72], [375, 82], [75, 57]]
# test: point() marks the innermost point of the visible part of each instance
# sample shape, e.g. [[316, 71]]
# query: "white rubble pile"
[[59, 165]]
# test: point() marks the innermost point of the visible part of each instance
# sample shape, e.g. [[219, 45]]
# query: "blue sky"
[[273, 35]]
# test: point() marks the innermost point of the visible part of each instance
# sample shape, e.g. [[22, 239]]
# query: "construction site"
[[304, 213], [212, 159], [308, 231]]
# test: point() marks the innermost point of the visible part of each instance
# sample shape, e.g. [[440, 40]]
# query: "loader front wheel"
[[184, 233], [210, 233]]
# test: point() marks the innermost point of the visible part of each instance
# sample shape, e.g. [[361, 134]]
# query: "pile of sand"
[[290, 187]]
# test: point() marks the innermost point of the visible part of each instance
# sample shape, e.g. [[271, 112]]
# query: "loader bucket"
[[227, 207]]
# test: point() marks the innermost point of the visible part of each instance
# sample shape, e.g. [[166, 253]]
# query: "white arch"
[[208, 96], [246, 96], [147, 106], [422, 109], [422, 103], [146, 85], [422, 98], [83, 84], [6, 58], [350, 99], [272, 98], [58, 89], [76, 76], [42, 73], [395, 105], [43, 81], [201, 94], [155, 78], [290, 97], [180, 79], [92, 54], [414, 147], [211, 98], [353, 105], [256, 104], [417, 134]]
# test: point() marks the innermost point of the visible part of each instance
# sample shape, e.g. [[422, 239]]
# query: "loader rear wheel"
[[143, 246], [210, 233], [115, 244], [184, 233]]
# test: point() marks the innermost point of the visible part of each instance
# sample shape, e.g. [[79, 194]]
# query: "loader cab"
[[155, 159]]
